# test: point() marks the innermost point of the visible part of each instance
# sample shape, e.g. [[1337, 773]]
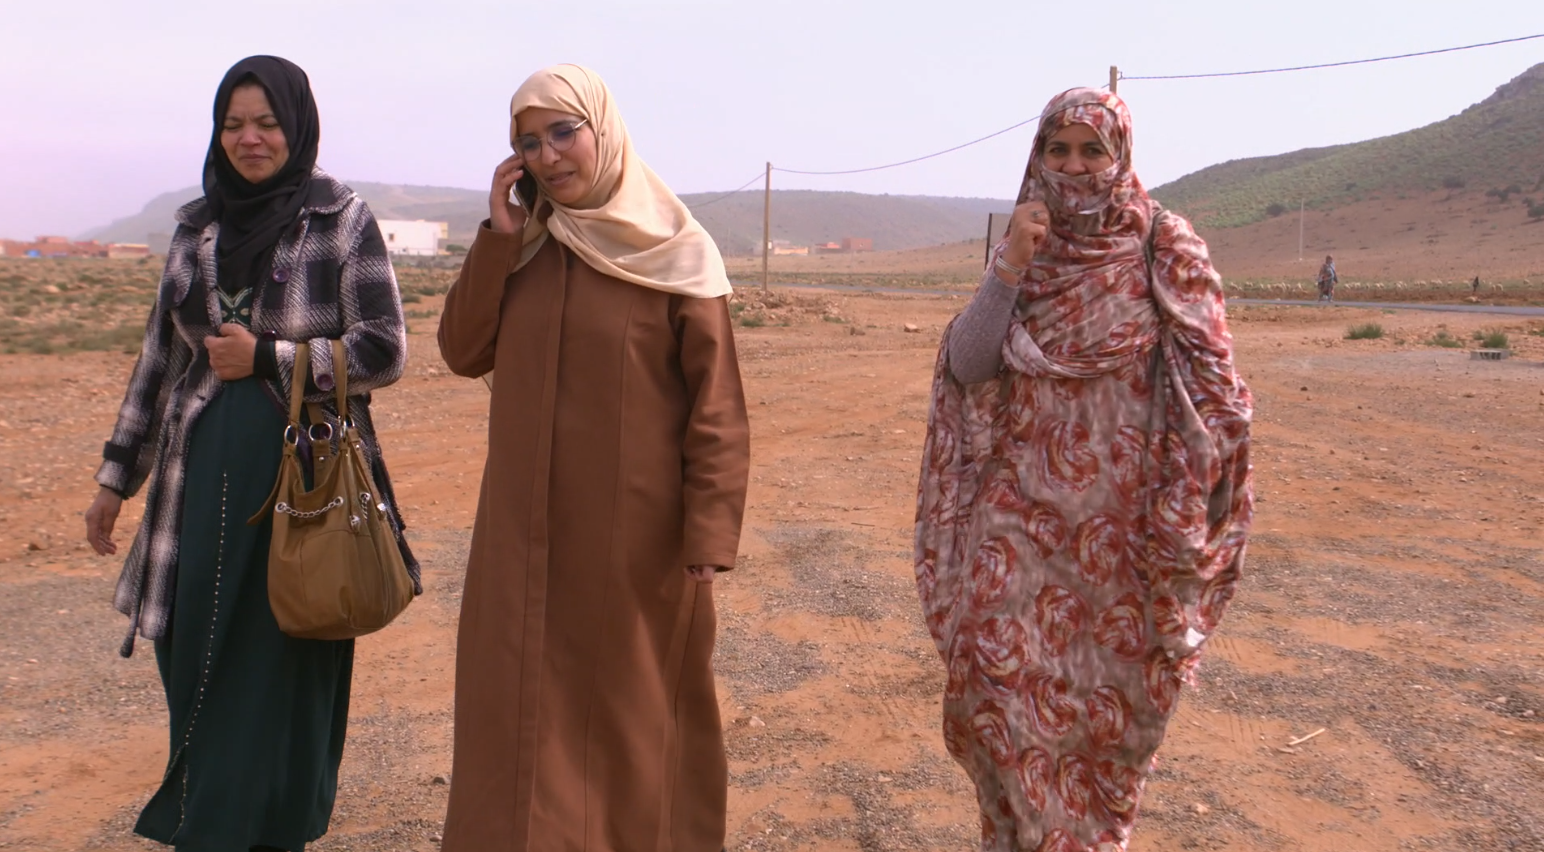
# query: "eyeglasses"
[[560, 137]]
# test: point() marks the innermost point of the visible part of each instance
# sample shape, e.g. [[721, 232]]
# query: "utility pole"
[[766, 232], [1114, 78], [1301, 206], [988, 260]]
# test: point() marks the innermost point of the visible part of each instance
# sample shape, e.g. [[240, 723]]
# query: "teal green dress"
[[257, 717]]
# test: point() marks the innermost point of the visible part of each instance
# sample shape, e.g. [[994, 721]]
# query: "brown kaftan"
[[618, 454]]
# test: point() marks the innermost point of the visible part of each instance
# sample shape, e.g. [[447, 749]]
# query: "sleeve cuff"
[[322, 376], [265, 361], [996, 284], [497, 243], [718, 560], [284, 360], [115, 473]]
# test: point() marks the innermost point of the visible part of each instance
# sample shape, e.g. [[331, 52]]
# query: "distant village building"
[[51, 246], [413, 238], [65, 247], [785, 247], [848, 245]]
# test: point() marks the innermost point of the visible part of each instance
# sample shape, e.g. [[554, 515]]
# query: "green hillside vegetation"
[[1495, 146]]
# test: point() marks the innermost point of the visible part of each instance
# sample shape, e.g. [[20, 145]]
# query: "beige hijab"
[[630, 225]]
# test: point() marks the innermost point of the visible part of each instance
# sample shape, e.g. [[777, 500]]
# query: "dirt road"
[[1394, 599]]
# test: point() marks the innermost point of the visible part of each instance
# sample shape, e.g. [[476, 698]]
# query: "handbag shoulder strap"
[[298, 381], [340, 378]]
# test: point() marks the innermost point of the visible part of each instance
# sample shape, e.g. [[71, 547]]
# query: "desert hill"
[[462, 208], [805, 217], [1440, 236], [1495, 146], [1447, 201], [801, 217]]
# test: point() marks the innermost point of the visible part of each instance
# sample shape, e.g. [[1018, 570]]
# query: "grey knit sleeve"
[[976, 338]]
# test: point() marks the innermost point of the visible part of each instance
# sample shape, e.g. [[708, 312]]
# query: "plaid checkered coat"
[[331, 279]]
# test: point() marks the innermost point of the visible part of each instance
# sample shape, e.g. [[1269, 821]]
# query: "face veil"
[[1094, 203]]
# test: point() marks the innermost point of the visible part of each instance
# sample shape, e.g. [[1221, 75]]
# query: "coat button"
[[324, 382], [281, 275]]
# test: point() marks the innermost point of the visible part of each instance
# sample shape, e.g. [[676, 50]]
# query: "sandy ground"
[[1393, 599]]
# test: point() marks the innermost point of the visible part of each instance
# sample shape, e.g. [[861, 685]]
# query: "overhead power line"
[[914, 159], [1331, 64], [1115, 77], [732, 192], [1123, 76]]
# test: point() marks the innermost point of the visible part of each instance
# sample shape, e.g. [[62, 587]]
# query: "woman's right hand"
[[504, 215], [1026, 230], [100, 519]]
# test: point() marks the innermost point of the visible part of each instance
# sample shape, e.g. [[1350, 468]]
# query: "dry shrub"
[[752, 308], [1366, 331], [1495, 340], [1445, 340]]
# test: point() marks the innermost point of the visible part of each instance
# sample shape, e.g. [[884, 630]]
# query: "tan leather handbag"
[[334, 569]]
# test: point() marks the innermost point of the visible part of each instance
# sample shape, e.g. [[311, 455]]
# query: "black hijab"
[[252, 216]]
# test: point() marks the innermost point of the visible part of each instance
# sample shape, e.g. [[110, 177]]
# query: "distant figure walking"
[[1475, 287], [1327, 280]]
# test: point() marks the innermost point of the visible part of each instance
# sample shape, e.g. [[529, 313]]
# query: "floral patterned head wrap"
[[1109, 197]]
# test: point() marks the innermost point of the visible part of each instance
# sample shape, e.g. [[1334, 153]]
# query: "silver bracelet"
[[1015, 273]]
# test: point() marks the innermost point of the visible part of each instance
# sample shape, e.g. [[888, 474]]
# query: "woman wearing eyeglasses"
[[618, 452]]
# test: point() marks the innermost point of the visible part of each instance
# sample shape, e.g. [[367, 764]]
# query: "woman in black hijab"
[[276, 252], [253, 193]]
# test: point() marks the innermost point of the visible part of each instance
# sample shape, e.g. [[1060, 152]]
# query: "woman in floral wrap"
[[1328, 279], [1085, 492]]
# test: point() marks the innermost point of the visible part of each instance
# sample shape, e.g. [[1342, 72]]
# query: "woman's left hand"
[[232, 353], [702, 573]]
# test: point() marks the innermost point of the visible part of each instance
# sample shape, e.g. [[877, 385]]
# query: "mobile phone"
[[524, 192]]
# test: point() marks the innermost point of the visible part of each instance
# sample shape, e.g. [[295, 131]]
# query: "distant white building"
[[416, 238]]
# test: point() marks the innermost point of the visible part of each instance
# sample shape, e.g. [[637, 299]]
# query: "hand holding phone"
[[505, 213]]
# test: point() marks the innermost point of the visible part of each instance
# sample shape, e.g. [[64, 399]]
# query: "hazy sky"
[[106, 104]]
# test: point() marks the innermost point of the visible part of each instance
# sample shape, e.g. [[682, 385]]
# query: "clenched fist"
[[232, 353], [1026, 231]]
